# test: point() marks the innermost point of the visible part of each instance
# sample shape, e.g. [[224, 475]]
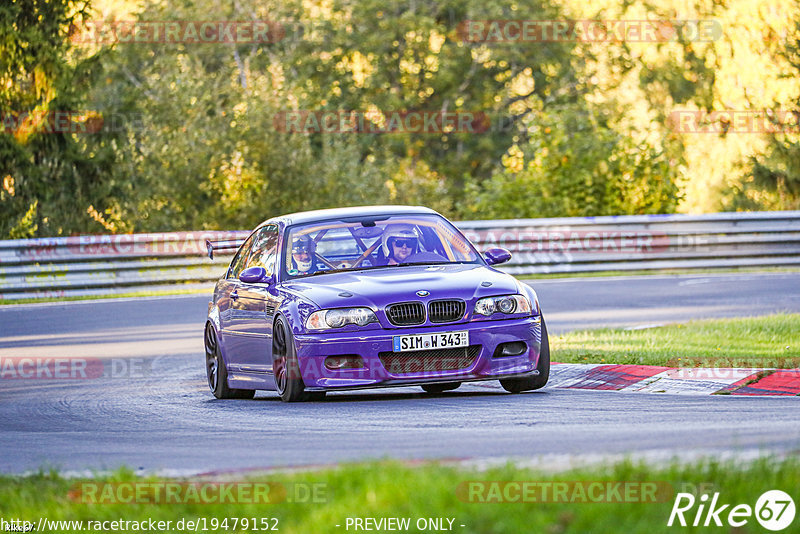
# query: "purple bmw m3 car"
[[368, 297]]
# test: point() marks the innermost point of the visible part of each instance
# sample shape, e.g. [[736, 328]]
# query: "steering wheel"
[[426, 257]]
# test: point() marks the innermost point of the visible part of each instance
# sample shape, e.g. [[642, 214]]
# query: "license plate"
[[442, 340]]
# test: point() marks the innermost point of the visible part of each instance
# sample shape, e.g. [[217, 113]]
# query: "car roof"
[[304, 217]]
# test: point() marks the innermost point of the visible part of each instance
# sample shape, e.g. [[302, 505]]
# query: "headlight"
[[507, 304], [324, 319]]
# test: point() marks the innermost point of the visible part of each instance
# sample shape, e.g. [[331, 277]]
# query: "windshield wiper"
[[405, 264], [328, 271]]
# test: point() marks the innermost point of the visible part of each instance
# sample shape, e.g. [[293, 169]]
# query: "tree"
[[366, 54], [52, 178], [777, 172], [207, 153], [576, 164]]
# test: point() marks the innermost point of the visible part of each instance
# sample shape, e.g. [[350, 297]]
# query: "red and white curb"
[[675, 380]]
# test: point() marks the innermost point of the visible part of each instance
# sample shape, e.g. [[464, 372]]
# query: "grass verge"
[[770, 341], [391, 489]]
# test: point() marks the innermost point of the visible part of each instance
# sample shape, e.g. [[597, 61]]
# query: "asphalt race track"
[[155, 411]]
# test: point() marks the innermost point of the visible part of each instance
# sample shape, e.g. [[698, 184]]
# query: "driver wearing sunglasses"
[[399, 243]]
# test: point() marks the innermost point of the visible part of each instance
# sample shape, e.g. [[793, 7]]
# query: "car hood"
[[379, 287]]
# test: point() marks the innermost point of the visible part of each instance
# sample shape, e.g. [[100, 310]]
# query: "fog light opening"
[[344, 361], [513, 348]]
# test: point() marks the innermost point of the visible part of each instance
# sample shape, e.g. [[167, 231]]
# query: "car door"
[[251, 328], [229, 304]]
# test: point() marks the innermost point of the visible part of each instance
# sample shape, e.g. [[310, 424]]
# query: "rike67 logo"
[[774, 510]]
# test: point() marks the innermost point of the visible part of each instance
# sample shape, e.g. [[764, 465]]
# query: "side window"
[[237, 264], [265, 249]]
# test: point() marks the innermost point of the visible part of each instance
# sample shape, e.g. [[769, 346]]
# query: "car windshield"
[[373, 243]]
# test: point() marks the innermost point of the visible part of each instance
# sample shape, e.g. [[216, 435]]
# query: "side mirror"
[[254, 275], [496, 256]]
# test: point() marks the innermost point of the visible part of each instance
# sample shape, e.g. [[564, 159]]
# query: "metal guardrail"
[[115, 264], [108, 264], [644, 242]]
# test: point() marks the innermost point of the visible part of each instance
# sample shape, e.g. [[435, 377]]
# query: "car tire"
[[286, 368], [435, 389], [217, 372], [516, 385]]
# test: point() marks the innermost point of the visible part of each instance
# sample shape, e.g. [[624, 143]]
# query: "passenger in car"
[[304, 257]]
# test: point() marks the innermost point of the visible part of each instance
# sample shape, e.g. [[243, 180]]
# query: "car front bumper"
[[382, 367]]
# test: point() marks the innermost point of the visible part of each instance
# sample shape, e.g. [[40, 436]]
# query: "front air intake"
[[429, 361]]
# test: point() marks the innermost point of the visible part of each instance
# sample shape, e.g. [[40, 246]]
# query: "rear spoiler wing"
[[228, 244]]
